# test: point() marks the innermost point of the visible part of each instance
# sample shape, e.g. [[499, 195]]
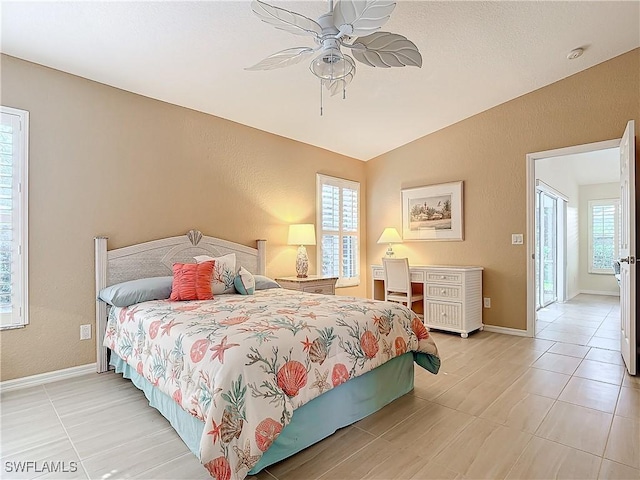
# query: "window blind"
[[338, 212], [13, 218], [603, 235]]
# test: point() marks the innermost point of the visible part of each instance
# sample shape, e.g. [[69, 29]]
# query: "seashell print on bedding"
[[273, 351], [291, 377]]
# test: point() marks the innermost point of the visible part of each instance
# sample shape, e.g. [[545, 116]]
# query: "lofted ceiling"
[[476, 55]]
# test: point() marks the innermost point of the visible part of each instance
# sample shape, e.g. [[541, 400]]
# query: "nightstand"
[[310, 284]]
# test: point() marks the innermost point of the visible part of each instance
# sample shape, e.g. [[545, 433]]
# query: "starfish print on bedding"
[[215, 432], [218, 350], [188, 377], [306, 344], [166, 329], [321, 381], [244, 456], [131, 313]]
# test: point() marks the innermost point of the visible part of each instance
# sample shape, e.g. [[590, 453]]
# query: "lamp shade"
[[390, 235], [302, 234]]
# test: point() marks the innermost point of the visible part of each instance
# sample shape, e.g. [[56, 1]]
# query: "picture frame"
[[433, 212]]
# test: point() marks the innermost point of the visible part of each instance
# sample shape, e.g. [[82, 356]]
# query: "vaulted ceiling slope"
[[475, 55]]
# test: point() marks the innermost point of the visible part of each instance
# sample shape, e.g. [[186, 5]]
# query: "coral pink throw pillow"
[[192, 281]]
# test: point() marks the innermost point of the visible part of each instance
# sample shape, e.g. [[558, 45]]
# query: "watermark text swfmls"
[[29, 466]]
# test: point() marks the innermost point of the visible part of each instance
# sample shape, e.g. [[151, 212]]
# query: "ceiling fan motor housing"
[[331, 64]]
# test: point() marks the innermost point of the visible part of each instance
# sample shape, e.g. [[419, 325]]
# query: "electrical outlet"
[[517, 239], [487, 302], [85, 332]]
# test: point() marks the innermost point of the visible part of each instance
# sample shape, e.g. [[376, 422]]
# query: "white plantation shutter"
[[13, 217], [338, 229], [603, 235]]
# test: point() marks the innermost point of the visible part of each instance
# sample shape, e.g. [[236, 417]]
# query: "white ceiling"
[[589, 168], [475, 55]]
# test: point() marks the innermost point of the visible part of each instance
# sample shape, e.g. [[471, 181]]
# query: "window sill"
[[12, 327]]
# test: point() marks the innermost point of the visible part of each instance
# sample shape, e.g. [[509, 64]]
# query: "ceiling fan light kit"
[[352, 24], [332, 65]]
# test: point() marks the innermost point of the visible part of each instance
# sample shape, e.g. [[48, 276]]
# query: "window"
[[604, 218], [14, 144], [338, 229]]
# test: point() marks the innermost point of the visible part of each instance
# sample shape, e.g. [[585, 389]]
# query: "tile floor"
[[557, 406]]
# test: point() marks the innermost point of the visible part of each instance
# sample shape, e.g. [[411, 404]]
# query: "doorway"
[[609, 247], [556, 244]]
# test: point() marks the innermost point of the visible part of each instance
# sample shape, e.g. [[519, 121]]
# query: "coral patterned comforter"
[[243, 364]]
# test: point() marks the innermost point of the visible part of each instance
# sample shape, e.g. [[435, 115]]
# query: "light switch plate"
[[85, 332], [517, 239]]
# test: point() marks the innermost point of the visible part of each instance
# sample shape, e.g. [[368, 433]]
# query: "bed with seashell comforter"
[[248, 380], [242, 365]]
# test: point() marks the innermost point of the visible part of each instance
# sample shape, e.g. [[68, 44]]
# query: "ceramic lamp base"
[[302, 262]]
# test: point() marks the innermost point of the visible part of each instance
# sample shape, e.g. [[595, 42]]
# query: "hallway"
[[586, 320]]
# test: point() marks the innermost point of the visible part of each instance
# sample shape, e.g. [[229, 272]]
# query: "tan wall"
[[107, 162], [488, 152]]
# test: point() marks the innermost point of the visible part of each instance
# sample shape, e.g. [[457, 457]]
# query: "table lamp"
[[302, 234], [390, 236]]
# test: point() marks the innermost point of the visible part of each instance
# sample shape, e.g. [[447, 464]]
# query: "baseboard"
[[600, 292], [48, 377], [508, 331], [572, 295]]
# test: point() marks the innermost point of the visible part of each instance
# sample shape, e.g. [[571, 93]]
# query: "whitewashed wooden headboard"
[[155, 259]]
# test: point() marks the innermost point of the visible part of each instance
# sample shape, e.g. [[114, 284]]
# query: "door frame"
[[531, 213]]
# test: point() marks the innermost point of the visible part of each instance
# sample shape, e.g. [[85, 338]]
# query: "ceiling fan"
[[352, 24]]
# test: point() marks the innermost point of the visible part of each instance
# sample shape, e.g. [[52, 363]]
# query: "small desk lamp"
[[301, 235], [390, 236]]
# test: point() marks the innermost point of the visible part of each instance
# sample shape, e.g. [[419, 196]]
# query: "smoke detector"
[[573, 54]]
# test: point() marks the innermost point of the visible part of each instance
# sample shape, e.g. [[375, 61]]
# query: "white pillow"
[[224, 272]]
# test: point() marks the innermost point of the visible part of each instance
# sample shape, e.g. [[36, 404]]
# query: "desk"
[[452, 295]]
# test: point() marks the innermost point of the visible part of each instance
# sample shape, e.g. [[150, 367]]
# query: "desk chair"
[[397, 282]]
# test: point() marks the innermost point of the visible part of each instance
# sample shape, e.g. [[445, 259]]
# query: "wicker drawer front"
[[378, 274], [444, 314], [325, 289], [444, 292], [417, 277], [444, 277]]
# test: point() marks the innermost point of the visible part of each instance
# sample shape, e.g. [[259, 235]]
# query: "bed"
[[248, 380]]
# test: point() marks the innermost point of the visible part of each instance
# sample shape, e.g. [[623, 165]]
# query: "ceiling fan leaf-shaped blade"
[[384, 50], [365, 16], [286, 20], [284, 58]]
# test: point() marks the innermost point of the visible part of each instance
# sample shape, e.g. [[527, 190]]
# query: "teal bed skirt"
[[314, 421]]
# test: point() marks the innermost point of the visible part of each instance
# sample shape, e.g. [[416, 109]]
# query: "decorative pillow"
[[224, 272], [264, 283], [137, 291], [192, 281], [245, 283]]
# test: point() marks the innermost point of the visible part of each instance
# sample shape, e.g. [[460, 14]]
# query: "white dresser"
[[452, 295]]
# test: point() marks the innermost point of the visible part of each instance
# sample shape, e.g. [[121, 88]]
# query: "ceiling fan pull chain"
[[344, 82], [320, 97]]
